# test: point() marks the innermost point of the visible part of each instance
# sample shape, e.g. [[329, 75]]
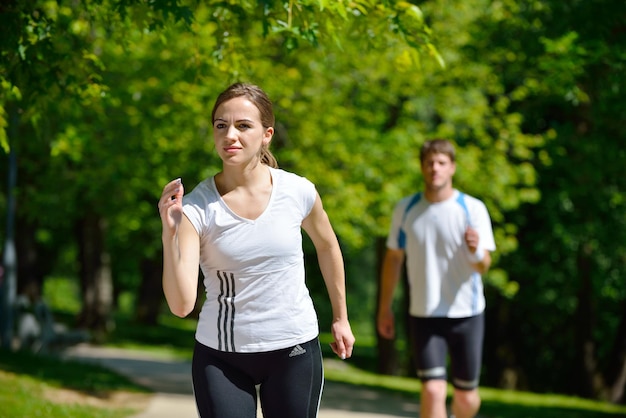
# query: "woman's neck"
[[231, 178]]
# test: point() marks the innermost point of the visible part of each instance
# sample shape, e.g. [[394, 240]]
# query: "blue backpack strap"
[[461, 201], [402, 235]]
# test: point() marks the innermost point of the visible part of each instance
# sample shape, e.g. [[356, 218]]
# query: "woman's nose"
[[231, 132]]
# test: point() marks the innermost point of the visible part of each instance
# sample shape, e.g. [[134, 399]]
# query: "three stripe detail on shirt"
[[226, 314]]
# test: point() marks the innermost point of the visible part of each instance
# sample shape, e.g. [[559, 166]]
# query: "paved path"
[[171, 381]]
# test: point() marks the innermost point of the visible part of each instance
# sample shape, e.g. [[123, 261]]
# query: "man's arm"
[[390, 275]]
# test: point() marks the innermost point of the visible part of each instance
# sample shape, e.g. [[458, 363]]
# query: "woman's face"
[[238, 131]]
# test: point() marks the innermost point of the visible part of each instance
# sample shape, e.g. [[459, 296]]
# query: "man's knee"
[[434, 390], [466, 403]]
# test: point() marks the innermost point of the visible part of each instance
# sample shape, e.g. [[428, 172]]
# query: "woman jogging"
[[242, 227]]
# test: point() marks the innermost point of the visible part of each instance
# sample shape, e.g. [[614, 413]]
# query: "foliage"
[[564, 74], [54, 49], [62, 294], [96, 87]]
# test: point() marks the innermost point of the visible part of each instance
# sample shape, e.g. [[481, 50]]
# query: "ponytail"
[[267, 157]]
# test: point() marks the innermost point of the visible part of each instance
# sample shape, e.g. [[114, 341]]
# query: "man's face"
[[438, 170]]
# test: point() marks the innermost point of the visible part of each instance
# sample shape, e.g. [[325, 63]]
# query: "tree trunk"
[[587, 382], [409, 367], [95, 275], [616, 373], [593, 384], [150, 295], [499, 355], [34, 262], [386, 349]]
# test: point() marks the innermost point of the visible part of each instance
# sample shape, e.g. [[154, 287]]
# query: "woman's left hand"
[[344, 340]]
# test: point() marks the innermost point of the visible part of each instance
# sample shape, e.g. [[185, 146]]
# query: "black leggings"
[[290, 382]]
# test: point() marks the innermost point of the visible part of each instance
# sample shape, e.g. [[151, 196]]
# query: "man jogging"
[[446, 238]]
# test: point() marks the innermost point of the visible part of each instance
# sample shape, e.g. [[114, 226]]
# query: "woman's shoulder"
[[290, 178], [204, 192], [295, 188]]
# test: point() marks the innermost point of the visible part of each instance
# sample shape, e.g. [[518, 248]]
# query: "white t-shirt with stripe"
[[256, 295], [441, 278]]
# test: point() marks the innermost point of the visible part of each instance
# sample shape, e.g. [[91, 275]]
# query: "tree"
[[564, 71], [57, 62]]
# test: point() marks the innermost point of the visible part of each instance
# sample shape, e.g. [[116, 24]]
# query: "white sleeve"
[[195, 206], [481, 221], [393, 238]]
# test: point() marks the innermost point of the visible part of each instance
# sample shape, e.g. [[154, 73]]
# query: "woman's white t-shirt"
[[254, 277]]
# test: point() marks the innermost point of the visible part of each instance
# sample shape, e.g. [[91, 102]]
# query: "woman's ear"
[[267, 136]]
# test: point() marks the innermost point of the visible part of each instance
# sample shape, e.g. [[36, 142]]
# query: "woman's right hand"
[[171, 206]]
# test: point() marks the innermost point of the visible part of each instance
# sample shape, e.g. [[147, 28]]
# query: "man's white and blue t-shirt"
[[439, 265], [256, 295]]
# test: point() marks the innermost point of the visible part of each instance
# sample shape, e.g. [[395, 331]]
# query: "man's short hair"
[[437, 146]]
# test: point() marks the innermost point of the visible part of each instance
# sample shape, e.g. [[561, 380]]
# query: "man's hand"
[[385, 324], [471, 239]]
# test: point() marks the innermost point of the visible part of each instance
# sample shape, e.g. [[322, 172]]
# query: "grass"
[[48, 386], [496, 403]]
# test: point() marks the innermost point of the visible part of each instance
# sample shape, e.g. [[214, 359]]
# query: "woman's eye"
[[219, 125]]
